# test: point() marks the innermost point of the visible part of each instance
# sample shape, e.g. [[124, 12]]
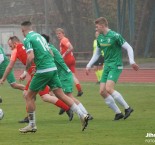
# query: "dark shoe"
[[128, 112], [61, 111], [70, 114], [25, 120], [90, 117], [118, 116], [0, 100], [80, 93]]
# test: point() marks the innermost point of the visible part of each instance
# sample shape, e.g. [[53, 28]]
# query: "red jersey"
[[68, 58], [20, 53]]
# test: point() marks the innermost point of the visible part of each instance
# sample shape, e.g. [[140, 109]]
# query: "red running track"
[[128, 75]]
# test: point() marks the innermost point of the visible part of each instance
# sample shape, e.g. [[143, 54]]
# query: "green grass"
[[54, 129]]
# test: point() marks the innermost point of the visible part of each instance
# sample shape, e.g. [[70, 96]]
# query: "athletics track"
[[127, 76]]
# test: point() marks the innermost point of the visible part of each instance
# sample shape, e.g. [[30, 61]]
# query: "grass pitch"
[[54, 129]]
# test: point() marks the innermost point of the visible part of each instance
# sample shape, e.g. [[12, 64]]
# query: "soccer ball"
[[1, 114]]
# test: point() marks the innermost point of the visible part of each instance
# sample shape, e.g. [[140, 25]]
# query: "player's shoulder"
[[64, 40], [114, 33]]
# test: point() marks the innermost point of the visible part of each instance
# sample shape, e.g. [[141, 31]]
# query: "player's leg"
[[110, 102], [84, 117], [12, 81], [55, 85], [76, 81], [35, 85], [114, 75], [80, 105], [54, 100], [30, 103], [25, 120]]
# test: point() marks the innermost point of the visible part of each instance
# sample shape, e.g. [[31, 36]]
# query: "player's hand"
[[135, 67], [87, 71], [23, 76]]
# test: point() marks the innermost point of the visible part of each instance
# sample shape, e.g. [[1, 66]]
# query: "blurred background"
[[134, 19]]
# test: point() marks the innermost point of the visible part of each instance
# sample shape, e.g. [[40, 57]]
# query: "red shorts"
[[71, 64], [41, 93]]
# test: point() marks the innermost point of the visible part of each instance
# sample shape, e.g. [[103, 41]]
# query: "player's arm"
[[70, 48], [94, 58], [30, 59], [130, 52]]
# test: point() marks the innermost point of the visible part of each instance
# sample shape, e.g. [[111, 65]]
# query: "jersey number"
[[43, 43]]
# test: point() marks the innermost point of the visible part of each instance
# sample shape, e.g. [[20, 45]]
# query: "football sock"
[[111, 103], [82, 108], [77, 110], [32, 120], [118, 97], [78, 87], [62, 105]]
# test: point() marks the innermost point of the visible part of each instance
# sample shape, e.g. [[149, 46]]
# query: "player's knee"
[[109, 90], [14, 86], [102, 93]]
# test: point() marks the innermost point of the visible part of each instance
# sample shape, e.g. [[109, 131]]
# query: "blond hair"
[[60, 30], [101, 21]]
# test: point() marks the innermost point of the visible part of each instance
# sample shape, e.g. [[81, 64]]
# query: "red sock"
[[62, 105], [78, 86]]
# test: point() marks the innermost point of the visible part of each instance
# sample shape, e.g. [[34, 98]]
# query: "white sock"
[[111, 103], [32, 120], [118, 97], [77, 110], [83, 109]]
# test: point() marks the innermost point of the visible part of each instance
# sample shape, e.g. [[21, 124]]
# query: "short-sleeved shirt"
[[111, 44], [63, 48], [43, 59], [20, 53], [10, 78], [63, 70]]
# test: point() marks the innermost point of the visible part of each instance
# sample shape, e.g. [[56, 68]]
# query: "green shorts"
[[111, 72], [10, 78], [40, 80], [67, 83]]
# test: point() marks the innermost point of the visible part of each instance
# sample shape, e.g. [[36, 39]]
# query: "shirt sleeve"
[[94, 58], [130, 52], [13, 55], [28, 45]]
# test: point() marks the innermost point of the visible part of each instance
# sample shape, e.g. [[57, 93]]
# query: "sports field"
[[54, 129]]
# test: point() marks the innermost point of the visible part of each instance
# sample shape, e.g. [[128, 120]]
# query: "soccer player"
[[98, 65], [19, 52], [46, 74], [4, 61], [66, 50], [112, 43], [65, 76]]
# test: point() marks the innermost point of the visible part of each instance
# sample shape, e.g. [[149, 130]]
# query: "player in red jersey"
[[66, 50], [18, 52]]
